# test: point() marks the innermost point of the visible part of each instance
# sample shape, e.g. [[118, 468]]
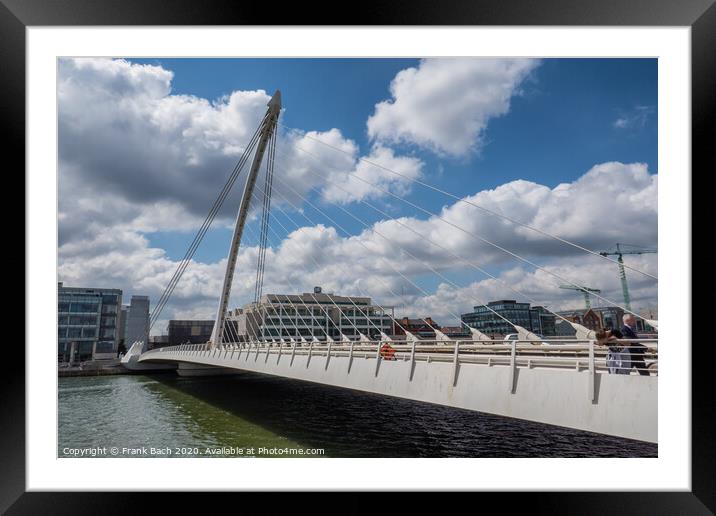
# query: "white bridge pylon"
[[267, 130]]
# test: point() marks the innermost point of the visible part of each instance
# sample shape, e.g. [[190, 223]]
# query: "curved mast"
[[267, 129]]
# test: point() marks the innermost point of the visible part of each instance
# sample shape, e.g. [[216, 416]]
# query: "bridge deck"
[[565, 385]]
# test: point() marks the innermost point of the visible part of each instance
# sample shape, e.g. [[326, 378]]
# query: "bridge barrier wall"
[[615, 404]]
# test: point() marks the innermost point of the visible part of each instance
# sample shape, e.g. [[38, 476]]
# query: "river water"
[[256, 415]]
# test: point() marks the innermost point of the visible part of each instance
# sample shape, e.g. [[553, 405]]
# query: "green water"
[[264, 416], [137, 413]]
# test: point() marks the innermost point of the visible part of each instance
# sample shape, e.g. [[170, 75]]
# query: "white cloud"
[[131, 152], [123, 135], [135, 159], [445, 104], [448, 301], [611, 202], [367, 180], [332, 164]]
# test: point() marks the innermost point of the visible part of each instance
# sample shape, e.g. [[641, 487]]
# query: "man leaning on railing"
[[637, 349]]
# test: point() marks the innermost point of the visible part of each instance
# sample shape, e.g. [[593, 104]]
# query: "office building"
[[137, 321], [309, 315], [485, 318], [189, 331], [546, 323], [87, 323], [588, 318], [158, 341], [456, 332], [122, 326], [598, 317], [422, 328]]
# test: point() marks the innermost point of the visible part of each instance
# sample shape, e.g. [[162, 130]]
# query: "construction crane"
[[585, 291], [619, 253]]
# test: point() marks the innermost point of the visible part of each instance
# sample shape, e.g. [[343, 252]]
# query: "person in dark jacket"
[[637, 350]]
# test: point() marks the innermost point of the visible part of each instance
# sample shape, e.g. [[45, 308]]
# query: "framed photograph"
[[420, 252]]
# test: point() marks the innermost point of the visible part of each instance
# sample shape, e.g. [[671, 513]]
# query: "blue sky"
[[557, 128], [146, 144]]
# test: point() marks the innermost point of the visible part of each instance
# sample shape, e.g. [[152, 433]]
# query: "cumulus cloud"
[[323, 160], [132, 152], [448, 302], [445, 104], [373, 176], [610, 203], [121, 131], [387, 260], [135, 158]]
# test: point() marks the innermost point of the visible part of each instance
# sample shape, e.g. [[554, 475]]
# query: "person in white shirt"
[[618, 357]]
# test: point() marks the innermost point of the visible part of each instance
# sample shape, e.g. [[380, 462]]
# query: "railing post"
[[412, 359], [377, 357], [328, 356], [293, 352], [280, 348], [592, 377], [455, 362], [513, 365], [350, 357], [310, 352]]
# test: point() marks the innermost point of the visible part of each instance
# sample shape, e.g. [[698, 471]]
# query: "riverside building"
[[309, 315], [137, 321], [87, 323], [484, 318]]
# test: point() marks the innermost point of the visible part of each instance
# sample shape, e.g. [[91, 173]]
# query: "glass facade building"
[[484, 318], [311, 315], [189, 332], [137, 327], [87, 323]]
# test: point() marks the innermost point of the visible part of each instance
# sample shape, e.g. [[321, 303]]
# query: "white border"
[[670, 471]]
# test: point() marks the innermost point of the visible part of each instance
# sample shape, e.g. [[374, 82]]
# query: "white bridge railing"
[[572, 354]]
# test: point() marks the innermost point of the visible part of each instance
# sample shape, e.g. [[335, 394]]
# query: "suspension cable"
[[386, 261], [466, 201], [368, 319], [367, 316], [266, 210], [454, 255], [198, 237], [439, 217]]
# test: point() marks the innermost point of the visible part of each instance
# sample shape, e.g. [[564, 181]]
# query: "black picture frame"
[[700, 15]]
